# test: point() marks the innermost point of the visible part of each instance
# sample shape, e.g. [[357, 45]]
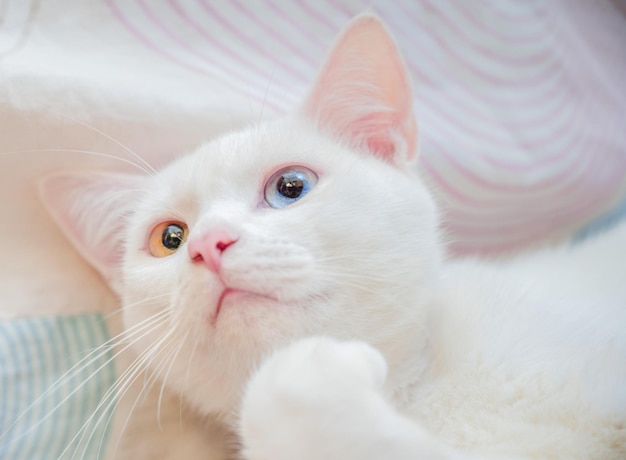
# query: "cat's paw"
[[314, 367], [306, 394]]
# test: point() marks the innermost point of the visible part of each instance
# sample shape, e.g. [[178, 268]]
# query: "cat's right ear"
[[93, 209], [363, 94]]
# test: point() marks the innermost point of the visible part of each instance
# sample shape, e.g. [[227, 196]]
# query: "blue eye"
[[289, 185]]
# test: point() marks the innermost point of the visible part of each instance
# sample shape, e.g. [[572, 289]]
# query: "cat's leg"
[[322, 399]]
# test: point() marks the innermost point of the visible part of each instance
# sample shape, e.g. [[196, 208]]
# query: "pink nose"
[[208, 248]]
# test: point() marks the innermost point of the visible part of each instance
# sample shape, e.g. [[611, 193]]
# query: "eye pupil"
[[173, 236], [290, 187]]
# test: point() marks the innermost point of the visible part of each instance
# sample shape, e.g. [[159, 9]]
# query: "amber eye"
[[166, 238]]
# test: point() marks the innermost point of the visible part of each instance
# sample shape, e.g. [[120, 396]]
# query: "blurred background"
[[521, 108]]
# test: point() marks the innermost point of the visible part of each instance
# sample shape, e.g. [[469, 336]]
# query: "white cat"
[[289, 279]]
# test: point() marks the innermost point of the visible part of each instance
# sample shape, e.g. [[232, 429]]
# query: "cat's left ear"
[[93, 210], [363, 95]]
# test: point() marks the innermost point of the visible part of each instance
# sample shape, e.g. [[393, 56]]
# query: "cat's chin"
[[233, 301]]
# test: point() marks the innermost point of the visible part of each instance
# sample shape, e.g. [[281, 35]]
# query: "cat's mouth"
[[230, 294]]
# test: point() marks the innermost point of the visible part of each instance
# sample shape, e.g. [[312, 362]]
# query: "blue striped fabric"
[[45, 400]]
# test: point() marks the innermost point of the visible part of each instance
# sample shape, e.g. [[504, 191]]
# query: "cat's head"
[[316, 223]]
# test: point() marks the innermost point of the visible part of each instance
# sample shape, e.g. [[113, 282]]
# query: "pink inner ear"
[[91, 208], [380, 140], [363, 93], [382, 147]]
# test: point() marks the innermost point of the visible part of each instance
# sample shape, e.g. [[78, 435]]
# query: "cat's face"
[[344, 257], [315, 224]]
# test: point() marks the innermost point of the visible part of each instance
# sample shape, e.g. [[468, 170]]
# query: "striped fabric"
[[522, 104], [38, 417]]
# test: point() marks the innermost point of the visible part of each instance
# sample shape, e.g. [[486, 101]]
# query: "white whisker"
[[123, 384], [161, 316], [85, 362], [113, 392], [86, 152], [142, 359], [267, 87], [127, 149], [186, 386], [134, 304], [167, 373]]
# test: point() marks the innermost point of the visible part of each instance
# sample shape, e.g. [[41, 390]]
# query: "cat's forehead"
[[255, 149], [238, 164]]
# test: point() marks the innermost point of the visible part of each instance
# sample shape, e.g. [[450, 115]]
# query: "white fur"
[[375, 347], [531, 369]]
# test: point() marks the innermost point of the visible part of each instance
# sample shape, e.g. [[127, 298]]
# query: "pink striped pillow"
[[521, 104]]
